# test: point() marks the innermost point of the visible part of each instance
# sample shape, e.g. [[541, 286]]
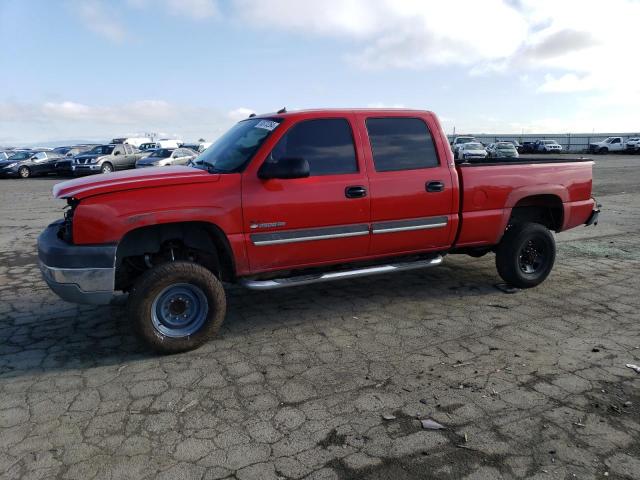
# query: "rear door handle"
[[357, 191], [436, 186]]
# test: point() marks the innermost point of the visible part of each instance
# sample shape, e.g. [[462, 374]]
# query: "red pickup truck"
[[295, 198]]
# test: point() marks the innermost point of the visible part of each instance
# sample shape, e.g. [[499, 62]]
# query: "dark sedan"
[[27, 164]]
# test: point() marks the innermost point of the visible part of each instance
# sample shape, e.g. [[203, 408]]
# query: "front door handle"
[[357, 191], [436, 186]]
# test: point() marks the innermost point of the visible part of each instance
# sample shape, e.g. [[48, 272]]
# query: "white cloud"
[[95, 16], [24, 122]]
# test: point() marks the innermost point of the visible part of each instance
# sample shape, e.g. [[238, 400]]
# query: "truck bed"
[[491, 188]]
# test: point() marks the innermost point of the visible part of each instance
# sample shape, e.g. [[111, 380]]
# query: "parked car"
[[191, 146], [147, 146], [457, 141], [548, 146], [63, 166], [471, 151], [515, 143], [609, 144], [632, 144], [528, 147], [502, 150], [106, 159], [29, 163], [163, 157], [290, 199]]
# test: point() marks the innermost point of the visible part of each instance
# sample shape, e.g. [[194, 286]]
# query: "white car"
[[609, 144], [458, 141], [548, 146], [164, 157], [470, 151], [633, 144]]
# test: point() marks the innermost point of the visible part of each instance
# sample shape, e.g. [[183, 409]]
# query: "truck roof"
[[342, 111]]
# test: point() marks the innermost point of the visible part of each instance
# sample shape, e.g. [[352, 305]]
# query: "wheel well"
[[546, 210], [144, 247]]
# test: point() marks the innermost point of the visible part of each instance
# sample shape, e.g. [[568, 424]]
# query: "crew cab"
[[609, 144], [106, 159], [296, 198]]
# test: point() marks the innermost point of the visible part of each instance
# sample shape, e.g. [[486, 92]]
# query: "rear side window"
[[326, 144], [401, 144]]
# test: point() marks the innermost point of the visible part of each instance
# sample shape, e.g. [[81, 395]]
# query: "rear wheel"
[[106, 168], [177, 306], [525, 255], [24, 172]]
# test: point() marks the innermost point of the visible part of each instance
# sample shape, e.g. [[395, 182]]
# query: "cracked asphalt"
[[328, 381]]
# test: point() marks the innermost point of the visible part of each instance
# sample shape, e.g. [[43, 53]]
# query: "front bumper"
[[88, 168], [9, 172], [77, 273]]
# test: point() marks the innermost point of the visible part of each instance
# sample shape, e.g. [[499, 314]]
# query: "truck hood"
[[131, 180]]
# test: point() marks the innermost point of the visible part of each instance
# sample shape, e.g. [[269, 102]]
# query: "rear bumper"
[[595, 213], [77, 273]]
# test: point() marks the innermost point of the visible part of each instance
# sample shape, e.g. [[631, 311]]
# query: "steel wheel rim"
[[24, 172], [180, 310], [107, 169], [532, 257]]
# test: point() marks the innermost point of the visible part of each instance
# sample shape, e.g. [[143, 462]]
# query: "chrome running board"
[[339, 275]]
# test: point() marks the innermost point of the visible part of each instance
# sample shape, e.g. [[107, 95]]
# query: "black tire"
[[525, 255], [106, 168], [603, 150], [151, 288], [24, 172]]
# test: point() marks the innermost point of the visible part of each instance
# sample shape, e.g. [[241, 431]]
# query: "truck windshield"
[[233, 150]]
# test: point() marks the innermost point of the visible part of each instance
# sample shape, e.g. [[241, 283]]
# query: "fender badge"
[[254, 225]]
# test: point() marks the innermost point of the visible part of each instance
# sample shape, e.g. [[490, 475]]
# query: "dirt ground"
[[298, 385]]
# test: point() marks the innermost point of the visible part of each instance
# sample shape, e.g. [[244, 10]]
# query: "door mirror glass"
[[284, 168]]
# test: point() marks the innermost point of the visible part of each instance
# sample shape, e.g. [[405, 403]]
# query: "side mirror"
[[284, 168], [117, 153]]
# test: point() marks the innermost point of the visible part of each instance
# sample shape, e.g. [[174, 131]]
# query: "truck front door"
[[301, 222], [412, 194]]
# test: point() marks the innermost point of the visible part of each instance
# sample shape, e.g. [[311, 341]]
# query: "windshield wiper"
[[214, 169]]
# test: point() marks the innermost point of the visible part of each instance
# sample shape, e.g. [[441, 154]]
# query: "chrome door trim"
[[308, 235], [426, 223]]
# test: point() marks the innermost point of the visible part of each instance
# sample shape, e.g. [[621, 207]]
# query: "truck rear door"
[[300, 222], [411, 187]]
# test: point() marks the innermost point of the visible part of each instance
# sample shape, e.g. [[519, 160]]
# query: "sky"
[[98, 69]]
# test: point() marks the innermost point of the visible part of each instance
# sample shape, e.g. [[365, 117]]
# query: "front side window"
[[401, 144], [326, 144]]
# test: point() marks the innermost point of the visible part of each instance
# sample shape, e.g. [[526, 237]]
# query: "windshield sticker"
[[267, 124]]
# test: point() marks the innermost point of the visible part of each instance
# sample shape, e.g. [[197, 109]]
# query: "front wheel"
[[106, 168], [604, 150], [177, 306], [24, 172], [525, 255]]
